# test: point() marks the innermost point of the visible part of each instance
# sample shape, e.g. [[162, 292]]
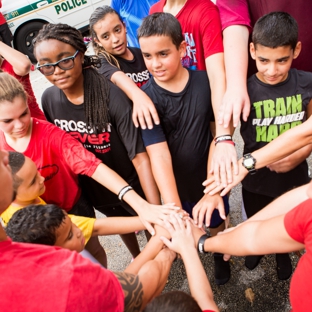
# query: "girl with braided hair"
[[98, 114]]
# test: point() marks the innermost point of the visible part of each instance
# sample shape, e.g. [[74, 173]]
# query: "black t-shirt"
[[274, 110], [134, 69], [115, 147], [185, 125]]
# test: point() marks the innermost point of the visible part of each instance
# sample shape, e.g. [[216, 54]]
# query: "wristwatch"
[[249, 163], [201, 243]]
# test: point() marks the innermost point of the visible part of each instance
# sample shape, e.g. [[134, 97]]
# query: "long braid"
[[96, 86]]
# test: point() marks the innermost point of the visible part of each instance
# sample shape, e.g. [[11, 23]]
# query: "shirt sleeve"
[[234, 12], [80, 160], [117, 5], [298, 221], [107, 69], [153, 136], [210, 28]]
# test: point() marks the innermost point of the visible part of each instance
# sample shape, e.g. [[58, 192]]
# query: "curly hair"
[[96, 86], [36, 224]]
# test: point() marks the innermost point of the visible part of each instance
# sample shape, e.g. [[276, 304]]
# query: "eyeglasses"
[[65, 64]]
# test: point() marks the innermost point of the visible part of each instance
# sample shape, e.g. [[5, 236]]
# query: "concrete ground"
[[270, 294]]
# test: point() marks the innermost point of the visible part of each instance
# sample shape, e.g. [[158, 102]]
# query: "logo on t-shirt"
[[99, 142], [275, 117], [189, 60]]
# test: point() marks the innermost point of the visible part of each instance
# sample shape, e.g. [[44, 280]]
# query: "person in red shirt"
[[30, 274], [60, 158], [18, 65], [5, 33], [285, 225]]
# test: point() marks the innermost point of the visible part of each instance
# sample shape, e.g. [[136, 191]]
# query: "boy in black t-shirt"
[[179, 146], [280, 99]]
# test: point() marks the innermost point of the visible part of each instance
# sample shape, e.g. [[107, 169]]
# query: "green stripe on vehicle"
[[26, 9]]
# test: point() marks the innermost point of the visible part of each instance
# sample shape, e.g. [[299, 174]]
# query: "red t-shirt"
[[35, 111], [59, 158], [46, 278], [201, 27], [247, 12], [298, 224], [2, 19]]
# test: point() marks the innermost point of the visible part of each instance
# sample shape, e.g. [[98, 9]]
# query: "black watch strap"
[[201, 243]]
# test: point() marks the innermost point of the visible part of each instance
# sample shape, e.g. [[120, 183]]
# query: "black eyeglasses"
[[65, 64]]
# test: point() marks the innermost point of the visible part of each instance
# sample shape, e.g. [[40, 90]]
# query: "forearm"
[[163, 173], [282, 204], [254, 238], [216, 75], [133, 92], [150, 251], [198, 281], [285, 144], [143, 168], [117, 225], [20, 62], [112, 181], [235, 41]]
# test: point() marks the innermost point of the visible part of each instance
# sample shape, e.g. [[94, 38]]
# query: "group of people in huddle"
[[144, 135]]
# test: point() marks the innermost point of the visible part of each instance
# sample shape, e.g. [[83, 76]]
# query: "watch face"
[[249, 162]]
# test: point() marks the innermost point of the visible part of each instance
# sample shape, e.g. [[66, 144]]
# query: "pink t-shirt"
[[201, 28], [298, 224], [247, 12], [50, 279], [59, 158]]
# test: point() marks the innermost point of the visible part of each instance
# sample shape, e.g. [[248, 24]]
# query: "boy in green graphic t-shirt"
[[280, 99]]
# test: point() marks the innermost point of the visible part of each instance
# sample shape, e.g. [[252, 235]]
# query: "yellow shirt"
[[83, 223]]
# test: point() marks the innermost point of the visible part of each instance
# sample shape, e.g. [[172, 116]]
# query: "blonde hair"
[[10, 88]]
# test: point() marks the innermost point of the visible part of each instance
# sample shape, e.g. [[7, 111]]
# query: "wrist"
[[201, 243]]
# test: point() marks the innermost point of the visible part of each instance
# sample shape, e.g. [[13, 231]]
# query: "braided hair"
[[96, 86]]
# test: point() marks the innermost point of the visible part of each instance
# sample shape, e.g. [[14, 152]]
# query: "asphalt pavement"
[[257, 291]]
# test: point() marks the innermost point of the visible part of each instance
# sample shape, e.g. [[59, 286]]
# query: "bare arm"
[[294, 159], [285, 144], [236, 99], [144, 111], [207, 204], [163, 172], [143, 167], [117, 225], [20, 62], [183, 243], [224, 157], [148, 213], [254, 238]]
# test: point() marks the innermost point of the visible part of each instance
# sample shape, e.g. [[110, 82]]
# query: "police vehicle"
[[26, 17]]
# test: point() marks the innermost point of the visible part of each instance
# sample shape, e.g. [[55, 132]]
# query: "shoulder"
[[157, 7], [197, 79], [298, 221], [51, 91]]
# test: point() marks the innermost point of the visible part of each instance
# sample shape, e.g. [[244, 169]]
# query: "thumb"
[[166, 241], [149, 228]]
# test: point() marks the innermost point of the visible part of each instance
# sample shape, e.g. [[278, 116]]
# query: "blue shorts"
[[215, 220]]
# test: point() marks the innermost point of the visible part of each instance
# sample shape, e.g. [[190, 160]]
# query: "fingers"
[[155, 116], [166, 241], [226, 257], [149, 227], [246, 110], [146, 118]]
